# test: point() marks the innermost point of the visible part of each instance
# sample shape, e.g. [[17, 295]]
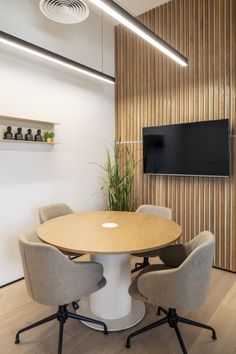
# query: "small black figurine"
[[19, 135], [38, 136], [29, 135], [8, 134]]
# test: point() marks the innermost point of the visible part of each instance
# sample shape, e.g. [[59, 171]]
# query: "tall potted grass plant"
[[118, 182]]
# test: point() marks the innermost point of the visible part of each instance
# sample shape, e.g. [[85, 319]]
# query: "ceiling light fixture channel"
[[43, 53], [116, 11]]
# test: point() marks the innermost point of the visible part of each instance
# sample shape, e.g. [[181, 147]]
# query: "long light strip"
[[125, 18], [43, 53]]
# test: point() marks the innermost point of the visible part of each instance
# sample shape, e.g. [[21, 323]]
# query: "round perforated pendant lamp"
[[64, 11]]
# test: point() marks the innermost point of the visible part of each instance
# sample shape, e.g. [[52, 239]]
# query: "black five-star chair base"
[[142, 265], [172, 319], [61, 315]]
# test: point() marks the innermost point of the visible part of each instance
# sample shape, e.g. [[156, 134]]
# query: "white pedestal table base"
[[135, 316], [113, 304]]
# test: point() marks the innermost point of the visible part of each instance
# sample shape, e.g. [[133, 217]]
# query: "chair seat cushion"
[[72, 254], [133, 289], [150, 254], [173, 255], [102, 283]]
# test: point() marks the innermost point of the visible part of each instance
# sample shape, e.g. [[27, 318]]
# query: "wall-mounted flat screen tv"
[[199, 149]]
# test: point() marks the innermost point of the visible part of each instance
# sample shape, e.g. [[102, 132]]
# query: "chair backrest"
[[52, 279], [163, 212], [186, 286], [52, 211], [196, 269]]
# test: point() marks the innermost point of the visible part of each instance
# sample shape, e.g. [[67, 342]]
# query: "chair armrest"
[[173, 255], [86, 276], [183, 288], [56, 280], [160, 287]]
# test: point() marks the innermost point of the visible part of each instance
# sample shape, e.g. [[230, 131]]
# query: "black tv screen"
[[199, 148]]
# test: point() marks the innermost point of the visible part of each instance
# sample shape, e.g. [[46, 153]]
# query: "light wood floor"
[[17, 310]]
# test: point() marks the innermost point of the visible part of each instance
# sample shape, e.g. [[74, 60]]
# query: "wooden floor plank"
[[224, 320], [17, 310]]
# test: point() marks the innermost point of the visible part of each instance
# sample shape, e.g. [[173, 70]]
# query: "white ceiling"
[[138, 7], [135, 7]]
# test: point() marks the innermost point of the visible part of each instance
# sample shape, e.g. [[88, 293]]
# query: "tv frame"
[[192, 175]]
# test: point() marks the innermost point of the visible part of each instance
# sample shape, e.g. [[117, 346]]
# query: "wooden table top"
[[84, 233]]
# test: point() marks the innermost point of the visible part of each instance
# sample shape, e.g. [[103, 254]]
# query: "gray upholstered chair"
[[53, 211], [180, 283], [53, 279], [160, 211]]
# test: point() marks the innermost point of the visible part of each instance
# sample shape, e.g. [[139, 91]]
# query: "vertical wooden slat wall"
[[152, 90]]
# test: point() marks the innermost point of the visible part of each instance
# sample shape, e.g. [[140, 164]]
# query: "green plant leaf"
[[118, 182]]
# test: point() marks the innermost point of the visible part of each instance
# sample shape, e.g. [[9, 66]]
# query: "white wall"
[[33, 175]]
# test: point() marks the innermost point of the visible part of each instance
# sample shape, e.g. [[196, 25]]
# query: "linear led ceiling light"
[[27, 47], [113, 9]]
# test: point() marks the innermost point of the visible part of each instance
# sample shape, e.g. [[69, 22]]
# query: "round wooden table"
[[110, 237]]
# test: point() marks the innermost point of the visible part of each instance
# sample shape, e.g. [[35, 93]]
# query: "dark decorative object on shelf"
[[29, 135], [19, 135], [8, 134], [38, 136]]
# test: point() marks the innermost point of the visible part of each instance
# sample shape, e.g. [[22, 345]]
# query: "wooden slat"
[[153, 90]]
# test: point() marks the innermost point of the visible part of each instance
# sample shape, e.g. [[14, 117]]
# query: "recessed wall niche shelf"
[[25, 124]]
